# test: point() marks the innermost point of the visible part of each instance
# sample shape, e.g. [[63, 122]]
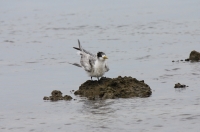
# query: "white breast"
[[99, 69]]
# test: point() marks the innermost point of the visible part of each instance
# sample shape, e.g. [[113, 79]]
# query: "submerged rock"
[[194, 56], [178, 85], [57, 95], [110, 88]]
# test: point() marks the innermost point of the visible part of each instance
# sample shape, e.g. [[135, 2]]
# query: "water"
[[141, 38]]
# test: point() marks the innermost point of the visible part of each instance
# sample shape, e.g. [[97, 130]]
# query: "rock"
[[187, 59], [194, 56], [57, 95], [55, 98], [67, 97], [109, 95], [111, 88], [178, 85], [91, 98], [46, 98]]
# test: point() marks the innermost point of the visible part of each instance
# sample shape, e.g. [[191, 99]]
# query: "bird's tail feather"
[[79, 45], [76, 48]]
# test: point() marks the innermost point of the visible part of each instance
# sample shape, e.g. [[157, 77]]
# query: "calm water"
[[141, 38]]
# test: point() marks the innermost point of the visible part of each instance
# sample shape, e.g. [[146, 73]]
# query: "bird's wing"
[[76, 64], [107, 68], [83, 50], [87, 61]]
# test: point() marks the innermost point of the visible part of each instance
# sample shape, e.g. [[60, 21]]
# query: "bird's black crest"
[[99, 54]]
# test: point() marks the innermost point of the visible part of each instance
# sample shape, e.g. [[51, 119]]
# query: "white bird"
[[94, 65]]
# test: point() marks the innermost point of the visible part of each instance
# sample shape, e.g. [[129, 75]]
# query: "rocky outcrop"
[[111, 88]]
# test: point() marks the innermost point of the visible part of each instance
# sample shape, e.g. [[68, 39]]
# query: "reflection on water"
[[140, 39], [100, 107]]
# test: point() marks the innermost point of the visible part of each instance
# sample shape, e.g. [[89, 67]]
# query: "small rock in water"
[[178, 85], [194, 56], [55, 98], [46, 98], [67, 97], [187, 59], [57, 95]]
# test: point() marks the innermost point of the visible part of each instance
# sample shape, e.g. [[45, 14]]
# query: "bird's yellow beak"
[[105, 57]]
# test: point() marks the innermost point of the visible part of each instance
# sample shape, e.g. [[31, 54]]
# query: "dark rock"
[[57, 95], [187, 59], [55, 98], [67, 97], [173, 61], [178, 85], [110, 88], [46, 98], [194, 56]]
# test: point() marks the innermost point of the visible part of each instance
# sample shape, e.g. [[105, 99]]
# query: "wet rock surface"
[[57, 95], [111, 88], [194, 56], [178, 85]]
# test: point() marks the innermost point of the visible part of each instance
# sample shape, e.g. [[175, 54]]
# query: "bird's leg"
[[91, 78], [98, 78]]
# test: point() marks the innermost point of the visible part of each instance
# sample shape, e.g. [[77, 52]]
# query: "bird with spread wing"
[[94, 65]]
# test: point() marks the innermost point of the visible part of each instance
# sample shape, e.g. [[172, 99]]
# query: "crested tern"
[[94, 65]]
